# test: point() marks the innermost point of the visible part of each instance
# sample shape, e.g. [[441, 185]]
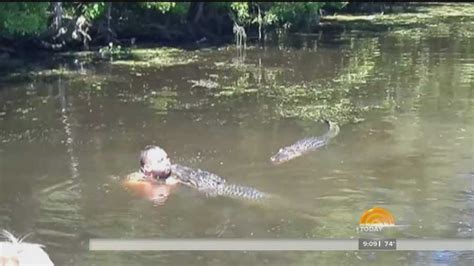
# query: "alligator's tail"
[[241, 192]]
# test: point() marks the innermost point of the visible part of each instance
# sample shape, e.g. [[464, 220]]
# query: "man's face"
[[156, 163]]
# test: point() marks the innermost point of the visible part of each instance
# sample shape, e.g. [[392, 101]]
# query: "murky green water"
[[404, 102]]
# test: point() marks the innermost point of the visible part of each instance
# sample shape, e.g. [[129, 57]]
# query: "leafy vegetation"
[[31, 19], [94, 10], [298, 15], [21, 18]]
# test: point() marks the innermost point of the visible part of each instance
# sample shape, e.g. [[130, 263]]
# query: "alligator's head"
[[284, 155], [333, 129], [154, 162]]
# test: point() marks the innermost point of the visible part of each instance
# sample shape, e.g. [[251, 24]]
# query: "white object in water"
[[15, 252]]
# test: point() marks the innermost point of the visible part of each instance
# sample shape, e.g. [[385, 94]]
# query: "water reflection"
[[65, 119]]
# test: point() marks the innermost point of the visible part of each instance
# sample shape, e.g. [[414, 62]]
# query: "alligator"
[[204, 83], [212, 184], [157, 175], [156, 166], [305, 145]]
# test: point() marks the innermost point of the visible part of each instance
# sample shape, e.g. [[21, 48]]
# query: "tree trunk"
[[58, 14], [195, 11], [259, 23], [109, 17]]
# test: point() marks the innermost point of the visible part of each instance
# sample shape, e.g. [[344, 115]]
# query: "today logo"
[[375, 219]]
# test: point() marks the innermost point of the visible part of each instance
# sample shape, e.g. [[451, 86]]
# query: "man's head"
[[154, 162]]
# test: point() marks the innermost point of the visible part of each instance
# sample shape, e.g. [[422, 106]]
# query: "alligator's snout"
[[305, 145], [280, 157], [277, 162], [274, 159]]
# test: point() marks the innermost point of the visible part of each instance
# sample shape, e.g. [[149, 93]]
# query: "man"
[[154, 180], [157, 177]]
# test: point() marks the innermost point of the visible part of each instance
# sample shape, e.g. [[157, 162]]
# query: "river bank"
[[213, 30], [402, 20]]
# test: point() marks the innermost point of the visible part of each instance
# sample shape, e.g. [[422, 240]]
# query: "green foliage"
[[94, 10], [279, 13], [28, 18], [242, 11], [297, 14], [69, 8], [21, 18], [162, 7], [180, 8]]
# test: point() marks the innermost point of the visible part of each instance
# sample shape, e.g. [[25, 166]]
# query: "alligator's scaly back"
[[214, 185], [305, 145]]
